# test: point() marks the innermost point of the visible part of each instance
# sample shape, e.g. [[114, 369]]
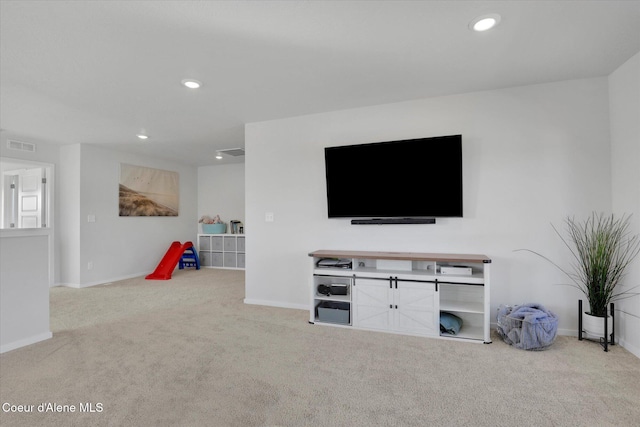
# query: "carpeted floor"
[[188, 352]]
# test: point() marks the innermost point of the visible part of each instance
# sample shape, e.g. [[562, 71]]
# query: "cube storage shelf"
[[402, 292], [222, 250]]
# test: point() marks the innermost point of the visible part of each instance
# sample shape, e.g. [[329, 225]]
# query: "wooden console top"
[[409, 256]]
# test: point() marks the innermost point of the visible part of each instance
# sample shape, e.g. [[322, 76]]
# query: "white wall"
[[118, 247], [69, 202], [45, 151], [24, 287], [624, 99], [532, 155], [221, 192]]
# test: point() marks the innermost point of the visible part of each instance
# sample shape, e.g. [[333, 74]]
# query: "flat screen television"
[[414, 178]]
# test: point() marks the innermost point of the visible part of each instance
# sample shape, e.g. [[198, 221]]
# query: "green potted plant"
[[602, 248]]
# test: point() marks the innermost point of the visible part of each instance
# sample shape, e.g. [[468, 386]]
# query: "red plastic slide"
[[169, 261]]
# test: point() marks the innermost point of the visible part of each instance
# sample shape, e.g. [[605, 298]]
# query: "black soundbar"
[[393, 221]]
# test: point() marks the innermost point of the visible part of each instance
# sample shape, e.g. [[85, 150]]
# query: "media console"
[[402, 292]]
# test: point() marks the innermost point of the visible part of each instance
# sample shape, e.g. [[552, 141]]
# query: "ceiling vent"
[[235, 152], [22, 146]]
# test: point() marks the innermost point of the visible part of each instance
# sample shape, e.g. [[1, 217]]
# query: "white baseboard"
[[630, 348], [568, 332], [276, 304], [25, 342], [101, 282]]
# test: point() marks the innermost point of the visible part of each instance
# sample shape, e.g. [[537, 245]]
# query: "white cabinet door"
[[409, 307], [416, 310], [372, 304]]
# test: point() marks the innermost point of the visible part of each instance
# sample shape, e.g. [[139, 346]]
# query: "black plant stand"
[[604, 342]]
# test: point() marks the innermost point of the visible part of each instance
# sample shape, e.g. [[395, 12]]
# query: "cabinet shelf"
[[334, 309], [461, 306], [466, 332], [342, 298]]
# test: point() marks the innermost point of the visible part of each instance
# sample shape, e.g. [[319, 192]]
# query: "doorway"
[[26, 193]]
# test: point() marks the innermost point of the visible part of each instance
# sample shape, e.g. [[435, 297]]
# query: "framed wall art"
[[148, 192]]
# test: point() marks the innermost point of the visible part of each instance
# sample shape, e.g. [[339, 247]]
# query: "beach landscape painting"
[[148, 191]]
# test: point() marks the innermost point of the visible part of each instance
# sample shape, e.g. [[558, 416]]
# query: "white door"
[[24, 198], [372, 304], [416, 308]]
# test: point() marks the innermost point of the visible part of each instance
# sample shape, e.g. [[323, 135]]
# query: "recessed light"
[[191, 84], [484, 22], [142, 136], [218, 155]]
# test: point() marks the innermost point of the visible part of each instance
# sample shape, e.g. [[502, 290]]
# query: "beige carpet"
[[188, 352]]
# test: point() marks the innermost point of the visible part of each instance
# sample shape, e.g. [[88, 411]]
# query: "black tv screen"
[[396, 179]]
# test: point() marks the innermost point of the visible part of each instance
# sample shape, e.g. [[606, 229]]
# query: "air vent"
[[235, 152], [22, 146]]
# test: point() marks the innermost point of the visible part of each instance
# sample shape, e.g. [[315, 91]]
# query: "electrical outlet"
[[90, 265], [268, 217]]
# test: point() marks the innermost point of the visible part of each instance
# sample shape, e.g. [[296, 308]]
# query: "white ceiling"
[[98, 72]]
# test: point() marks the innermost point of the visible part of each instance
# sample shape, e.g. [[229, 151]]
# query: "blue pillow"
[[450, 323]]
